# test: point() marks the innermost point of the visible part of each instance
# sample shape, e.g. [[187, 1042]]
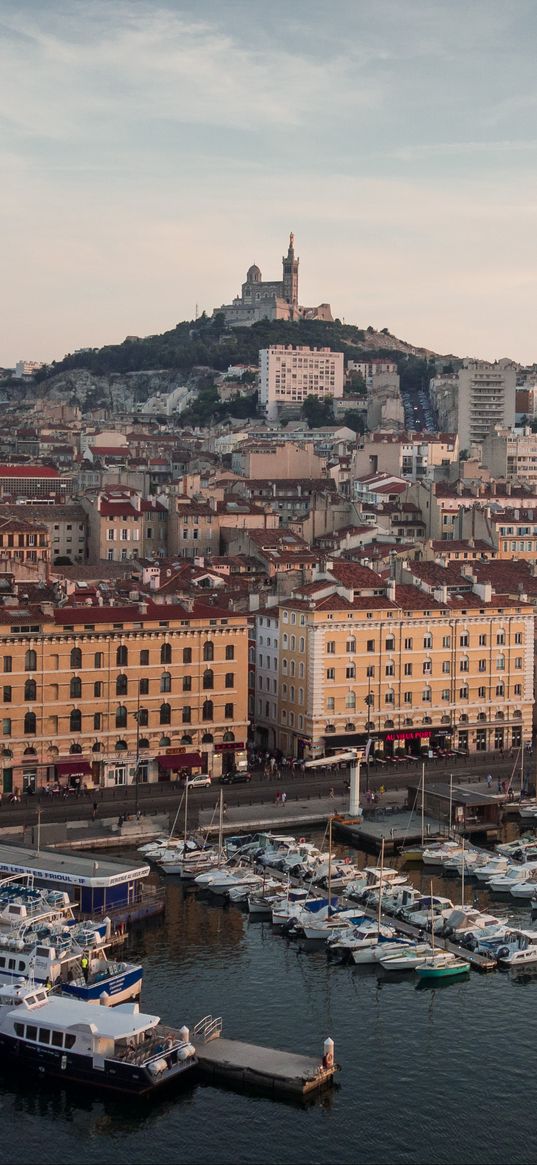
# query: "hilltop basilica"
[[272, 300]]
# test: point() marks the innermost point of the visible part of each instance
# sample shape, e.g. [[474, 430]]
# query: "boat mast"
[[462, 890], [221, 827], [186, 813], [432, 920], [522, 763], [379, 912], [329, 863], [450, 802], [422, 801]]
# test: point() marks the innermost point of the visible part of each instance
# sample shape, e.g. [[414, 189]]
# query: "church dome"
[[253, 274]]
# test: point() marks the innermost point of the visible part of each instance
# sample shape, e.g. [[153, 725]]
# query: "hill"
[[207, 343]]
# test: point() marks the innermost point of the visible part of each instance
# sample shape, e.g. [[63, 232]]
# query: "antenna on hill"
[[196, 313]]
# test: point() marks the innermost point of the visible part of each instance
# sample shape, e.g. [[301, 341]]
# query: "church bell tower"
[[290, 274]]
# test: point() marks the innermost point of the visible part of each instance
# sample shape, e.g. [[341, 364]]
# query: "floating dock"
[[242, 1065], [394, 827]]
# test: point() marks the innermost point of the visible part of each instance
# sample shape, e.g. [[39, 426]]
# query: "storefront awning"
[[230, 746], [179, 760], [74, 767]]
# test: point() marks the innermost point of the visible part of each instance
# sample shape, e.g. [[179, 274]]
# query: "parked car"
[[200, 781], [238, 778]]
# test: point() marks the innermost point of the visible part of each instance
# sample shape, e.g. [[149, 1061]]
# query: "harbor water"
[[443, 1073]]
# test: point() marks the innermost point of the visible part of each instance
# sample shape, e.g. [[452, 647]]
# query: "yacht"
[[407, 958], [118, 1048]]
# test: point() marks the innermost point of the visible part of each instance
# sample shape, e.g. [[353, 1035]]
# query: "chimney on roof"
[[516, 515], [390, 590], [508, 488], [483, 590]]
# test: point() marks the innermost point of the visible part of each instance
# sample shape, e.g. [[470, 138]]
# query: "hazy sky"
[[150, 151]]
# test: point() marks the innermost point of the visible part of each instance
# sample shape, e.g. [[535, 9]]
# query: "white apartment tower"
[[288, 375], [486, 398]]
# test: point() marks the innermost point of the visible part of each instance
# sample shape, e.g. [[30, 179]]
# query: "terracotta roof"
[[28, 471]]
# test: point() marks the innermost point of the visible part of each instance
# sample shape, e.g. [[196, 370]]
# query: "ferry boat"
[[51, 954], [121, 1049]]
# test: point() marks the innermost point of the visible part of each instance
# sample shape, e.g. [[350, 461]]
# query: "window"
[[75, 688], [331, 647], [97, 721], [229, 680], [408, 697], [187, 655], [330, 703], [144, 687], [228, 711], [208, 651], [166, 682], [370, 671], [446, 693], [166, 653], [230, 651], [76, 657], [142, 716], [518, 662], [330, 674], [144, 657], [518, 638], [389, 669], [187, 683], [350, 672], [463, 693], [390, 644], [426, 695], [122, 655], [482, 641], [500, 639], [408, 669], [427, 641], [99, 659], [351, 646], [208, 679], [165, 713], [463, 639], [446, 667], [427, 667], [482, 692], [408, 644], [388, 697], [6, 727], [75, 720], [207, 710], [30, 661], [518, 689], [8, 693], [500, 690], [464, 664], [370, 645], [8, 663], [122, 685], [121, 716], [500, 663], [187, 714], [446, 641]]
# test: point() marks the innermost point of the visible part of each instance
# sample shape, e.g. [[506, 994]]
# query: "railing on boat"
[[207, 1029]]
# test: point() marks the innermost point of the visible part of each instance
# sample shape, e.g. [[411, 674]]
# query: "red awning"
[[74, 767], [179, 760]]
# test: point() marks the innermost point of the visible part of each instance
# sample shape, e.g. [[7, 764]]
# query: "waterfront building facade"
[[112, 694]]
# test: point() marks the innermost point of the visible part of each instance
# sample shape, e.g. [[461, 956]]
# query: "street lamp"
[[137, 718]]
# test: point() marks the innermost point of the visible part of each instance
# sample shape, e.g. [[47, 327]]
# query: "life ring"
[[328, 1060], [302, 841]]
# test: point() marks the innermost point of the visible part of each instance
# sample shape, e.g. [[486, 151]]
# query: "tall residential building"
[[288, 375], [409, 669], [486, 398], [511, 454]]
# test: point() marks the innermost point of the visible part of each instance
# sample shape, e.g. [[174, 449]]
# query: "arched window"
[[165, 742], [207, 738], [165, 713], [122, 684], [121, 745], [122, 655], [75, 720], [166, 653], [121, 716], [229, 736], [30, 690], [76, 657], [208, 651], [96, 747], [207, 710], [330, 728], [166, 682], [208, 678], [350, 700], [143, 743], [75, 749], [350, 727], [75, 688], [186, 739], [30, 724], [30, 661], [187, 714]]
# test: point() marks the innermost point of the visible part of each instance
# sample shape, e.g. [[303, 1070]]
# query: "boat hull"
[[74, 1068], [448, 971], [119, 988]]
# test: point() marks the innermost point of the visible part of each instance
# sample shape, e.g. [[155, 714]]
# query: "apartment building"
[[288, 375], [486, 398], [509, 454], [409, 455], [66, 526], [409, 670], [39, 482], [23, 540], [123, 525], [265, 711], [99, 691]]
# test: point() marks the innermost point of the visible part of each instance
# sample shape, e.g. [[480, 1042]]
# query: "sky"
[[151, 151]]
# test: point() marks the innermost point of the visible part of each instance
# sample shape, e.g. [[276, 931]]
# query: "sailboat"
[[440, 964], [191, 860]]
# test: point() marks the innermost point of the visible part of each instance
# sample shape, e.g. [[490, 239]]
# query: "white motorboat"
[[519, 950], [420, 914], [331, 923], [524, 891], [495, 867], [364, 949], [407, 958], [465, 919], [436, 855], [503, 883]]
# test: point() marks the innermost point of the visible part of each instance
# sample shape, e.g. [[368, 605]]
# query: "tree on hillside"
[[354, 420], [318, 412]]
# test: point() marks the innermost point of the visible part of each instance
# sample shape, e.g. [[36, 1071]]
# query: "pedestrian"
[[499, 785], [489, 780], [85, 967], [331, 793], [224, 811], [278, 797], [284, 798], [94, 813], [381, 791]]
